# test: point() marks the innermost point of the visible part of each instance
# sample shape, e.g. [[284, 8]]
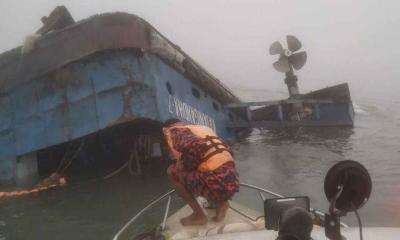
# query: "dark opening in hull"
[[105, 153]]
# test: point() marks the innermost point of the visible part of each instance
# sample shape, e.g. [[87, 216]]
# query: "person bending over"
[[204, 167]]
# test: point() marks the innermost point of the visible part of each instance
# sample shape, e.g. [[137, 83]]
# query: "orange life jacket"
[[216, 154]]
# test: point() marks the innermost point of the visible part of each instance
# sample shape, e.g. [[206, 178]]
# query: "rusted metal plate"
[[57, 49], [25, 102], [30, 134], [82, 117], [98, 34], [51, 94], [272, 103], [338, 93], [7, 155], [110, 106], [6, 113], [56, 122], [288, 124]]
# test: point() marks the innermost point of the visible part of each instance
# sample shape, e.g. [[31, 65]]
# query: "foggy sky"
[[346, 41]]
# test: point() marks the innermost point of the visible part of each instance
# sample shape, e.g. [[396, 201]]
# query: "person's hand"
[[165, 131]]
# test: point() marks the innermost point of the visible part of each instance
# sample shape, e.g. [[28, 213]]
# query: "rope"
[[138, 166], [142, 144], [67, 160], [117, 171]]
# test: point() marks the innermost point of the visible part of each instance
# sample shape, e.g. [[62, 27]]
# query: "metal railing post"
[[166, 213], [141, 212], [262, 196]]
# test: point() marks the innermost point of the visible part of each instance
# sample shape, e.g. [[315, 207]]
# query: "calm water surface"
[[288, 162]]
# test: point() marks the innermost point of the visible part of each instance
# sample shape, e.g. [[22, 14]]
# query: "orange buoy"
[[35, 190], [12, 194], [61, 182], [43, 188]]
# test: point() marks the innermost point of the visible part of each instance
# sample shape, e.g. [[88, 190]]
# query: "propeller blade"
[[298, 60], [282, 65], [275, 48], [293, 43]]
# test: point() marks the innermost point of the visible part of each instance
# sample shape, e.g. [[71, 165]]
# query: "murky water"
[[85, 209], [288, 162]]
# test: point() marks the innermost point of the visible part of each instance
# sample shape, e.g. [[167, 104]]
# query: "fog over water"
[[347, 41]]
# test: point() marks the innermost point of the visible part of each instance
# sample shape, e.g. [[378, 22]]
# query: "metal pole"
[[262, 196], [280, 113], [141, 212], [166, 213]]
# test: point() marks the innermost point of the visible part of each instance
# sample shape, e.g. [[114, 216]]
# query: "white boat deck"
[[233, 222]]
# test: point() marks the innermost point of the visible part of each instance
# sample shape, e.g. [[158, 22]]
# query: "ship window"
[[216, 106], [196, 93], [169, 88], [230, 116]]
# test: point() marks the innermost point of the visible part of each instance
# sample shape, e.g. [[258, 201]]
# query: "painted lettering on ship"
[[185, 111]]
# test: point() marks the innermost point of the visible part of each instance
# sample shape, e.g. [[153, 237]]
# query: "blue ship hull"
[[54, 104]]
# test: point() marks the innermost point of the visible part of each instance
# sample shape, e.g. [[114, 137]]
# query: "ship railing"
[[168, 195]]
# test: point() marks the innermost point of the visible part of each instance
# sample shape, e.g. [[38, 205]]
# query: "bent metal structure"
[[100, 72]]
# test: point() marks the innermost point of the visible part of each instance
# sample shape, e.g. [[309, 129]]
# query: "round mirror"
[[355, 182]]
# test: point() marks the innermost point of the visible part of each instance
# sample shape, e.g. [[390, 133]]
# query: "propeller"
[[288, 57]]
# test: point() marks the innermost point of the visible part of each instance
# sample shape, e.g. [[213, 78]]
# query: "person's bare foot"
[[221, 211], [210, 205], [194, 219]]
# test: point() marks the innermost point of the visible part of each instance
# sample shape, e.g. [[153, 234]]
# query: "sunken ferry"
[[73, 80], [90, 89]]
